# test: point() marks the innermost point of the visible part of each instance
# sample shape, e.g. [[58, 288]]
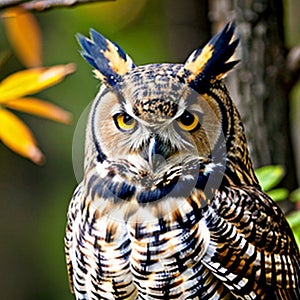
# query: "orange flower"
[[24, 35], [13, 89]]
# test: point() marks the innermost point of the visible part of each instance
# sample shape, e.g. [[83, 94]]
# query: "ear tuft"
[[211, 63], [108, 59]]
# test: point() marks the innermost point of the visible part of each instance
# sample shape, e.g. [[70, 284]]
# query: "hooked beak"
[[158, 151]]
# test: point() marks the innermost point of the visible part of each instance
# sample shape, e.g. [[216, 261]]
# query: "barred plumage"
[[169, 207]]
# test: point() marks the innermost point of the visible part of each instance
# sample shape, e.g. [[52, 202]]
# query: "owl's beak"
[[158, 152]]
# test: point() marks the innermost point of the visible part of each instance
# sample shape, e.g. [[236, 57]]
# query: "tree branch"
[[45, 4]]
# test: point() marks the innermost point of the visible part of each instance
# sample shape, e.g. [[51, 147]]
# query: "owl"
[[169, 206]]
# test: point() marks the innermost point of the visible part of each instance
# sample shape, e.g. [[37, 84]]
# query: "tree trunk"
[[260, 86], [187, 26]]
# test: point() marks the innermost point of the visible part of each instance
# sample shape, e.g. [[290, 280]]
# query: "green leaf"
[[296, 232], [279, 194], [297, 238], [269, 176], [295, 195], [294, 220]]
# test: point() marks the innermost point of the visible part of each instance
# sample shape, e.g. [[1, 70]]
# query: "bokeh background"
[[34, 199]]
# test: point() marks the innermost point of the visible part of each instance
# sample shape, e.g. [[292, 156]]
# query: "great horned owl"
[[169, 207]]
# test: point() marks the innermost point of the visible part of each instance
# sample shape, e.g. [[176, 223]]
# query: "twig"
[[7, 3], [45, 4]]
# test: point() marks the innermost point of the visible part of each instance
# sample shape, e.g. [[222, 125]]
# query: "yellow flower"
[[13, 91], [24, 34]]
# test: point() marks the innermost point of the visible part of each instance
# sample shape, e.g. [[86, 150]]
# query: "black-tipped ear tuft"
[[108, 59], [206, 65]]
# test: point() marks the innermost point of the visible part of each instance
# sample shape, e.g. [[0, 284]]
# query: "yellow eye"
[[124, 122], [188, 121]]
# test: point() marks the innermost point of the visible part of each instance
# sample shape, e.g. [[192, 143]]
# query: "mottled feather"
[[204, 66], [170, 207], [108, 59]]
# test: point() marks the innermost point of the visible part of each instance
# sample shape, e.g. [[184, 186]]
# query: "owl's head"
[[150, 123]]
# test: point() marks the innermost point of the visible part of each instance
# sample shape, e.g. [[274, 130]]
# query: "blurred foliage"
[[269, 177], [294, 221], [24, 35]]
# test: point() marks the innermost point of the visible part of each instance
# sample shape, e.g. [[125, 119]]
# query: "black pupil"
[[127, 119], [187, 118]]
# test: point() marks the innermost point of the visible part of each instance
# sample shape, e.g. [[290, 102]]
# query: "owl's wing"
[[252, 249], [73, 212]]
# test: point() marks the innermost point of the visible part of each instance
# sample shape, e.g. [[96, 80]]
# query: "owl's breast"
[[166, 256]]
